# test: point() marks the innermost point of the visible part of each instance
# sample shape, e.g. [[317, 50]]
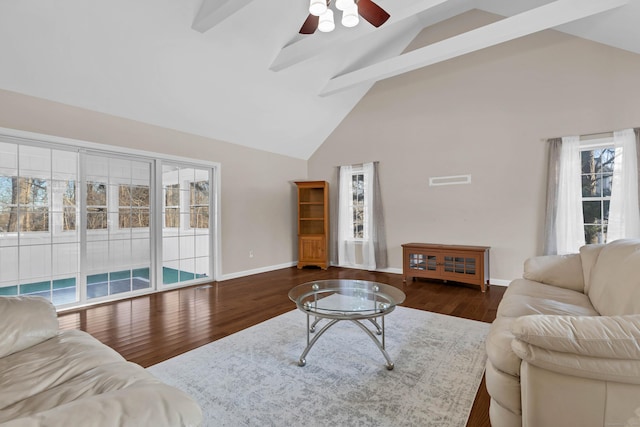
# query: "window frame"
[[357, 207], [358, 171], [132, 208], [100, 208], [193, 192], [593, 145], [175, 193]]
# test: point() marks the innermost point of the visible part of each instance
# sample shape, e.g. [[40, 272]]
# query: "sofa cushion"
[[603, 369], [524, 297], [26, 321], [563, 271], [614, 285], [589, 256], [606, 337], [73, 379], [49, 365]]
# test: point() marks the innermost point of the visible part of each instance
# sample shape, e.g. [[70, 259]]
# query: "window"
[[597, 177], [185, 237], [134, 206], [38, 239], [361, 242], [593, 190], [96, 205], [199, 204], [69, 205], [172, 205], [76, 224], [118, 246], [357, 205], [25, 203]]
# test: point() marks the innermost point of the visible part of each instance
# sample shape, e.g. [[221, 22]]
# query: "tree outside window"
[[597, 177], [96, 205], [133, 206], [24, 204], [69, 206], [357, 205], [199, 204], [172, 206]]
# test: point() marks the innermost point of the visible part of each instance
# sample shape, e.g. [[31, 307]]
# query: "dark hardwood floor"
[[149, 329]]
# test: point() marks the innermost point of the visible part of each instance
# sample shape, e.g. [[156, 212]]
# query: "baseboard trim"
[[238, 274], [257, 271]]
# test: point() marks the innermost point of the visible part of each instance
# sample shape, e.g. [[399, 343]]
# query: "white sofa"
[[59, 378], [564, 349]]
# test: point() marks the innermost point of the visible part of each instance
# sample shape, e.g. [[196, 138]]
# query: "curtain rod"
[[586, 136], [595, 135], [358, 164]]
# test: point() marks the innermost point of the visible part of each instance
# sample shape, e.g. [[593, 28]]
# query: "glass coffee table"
[[346, 299]]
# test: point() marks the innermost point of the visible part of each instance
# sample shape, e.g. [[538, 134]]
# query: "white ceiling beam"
[[213, 12], [541, 18], [311, 46]]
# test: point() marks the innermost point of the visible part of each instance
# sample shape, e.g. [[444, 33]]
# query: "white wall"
[[484, 114]]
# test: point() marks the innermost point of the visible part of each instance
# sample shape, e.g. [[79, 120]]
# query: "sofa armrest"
[[597, 347], [26, 321], [563, 271], [146, 404]]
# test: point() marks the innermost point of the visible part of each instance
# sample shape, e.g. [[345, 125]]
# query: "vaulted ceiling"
[[238, 71]]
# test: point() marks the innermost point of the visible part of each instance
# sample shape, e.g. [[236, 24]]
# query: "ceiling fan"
[[318, 17]]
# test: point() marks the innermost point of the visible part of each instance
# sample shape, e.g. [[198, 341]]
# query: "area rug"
[[252, 378]]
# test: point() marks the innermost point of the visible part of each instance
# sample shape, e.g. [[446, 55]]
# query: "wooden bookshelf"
[[313, 224]]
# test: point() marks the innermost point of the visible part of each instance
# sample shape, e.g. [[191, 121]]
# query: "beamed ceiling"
[[238, 71]]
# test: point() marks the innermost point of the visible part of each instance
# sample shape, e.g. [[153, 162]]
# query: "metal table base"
[[379, 330]]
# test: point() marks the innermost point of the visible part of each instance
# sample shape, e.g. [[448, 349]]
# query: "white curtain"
[[359, 253], [624, 215], [346, 253], [570, 220], [551, 208]]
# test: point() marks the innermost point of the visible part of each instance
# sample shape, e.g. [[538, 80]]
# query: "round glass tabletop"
[[346, 297]]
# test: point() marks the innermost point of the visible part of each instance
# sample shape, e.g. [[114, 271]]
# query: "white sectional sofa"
[[59, 378], [564, 349]]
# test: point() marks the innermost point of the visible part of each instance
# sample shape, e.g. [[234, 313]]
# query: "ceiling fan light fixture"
[[326, 23], [317, 7], [344, 4], [350, 16]]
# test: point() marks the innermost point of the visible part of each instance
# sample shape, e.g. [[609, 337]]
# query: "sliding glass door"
[[79, 225], [186, 223], [118, 233], [39, 241]]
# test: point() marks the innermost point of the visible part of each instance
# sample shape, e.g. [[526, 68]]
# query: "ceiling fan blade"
[[372, 12], [310, 25]]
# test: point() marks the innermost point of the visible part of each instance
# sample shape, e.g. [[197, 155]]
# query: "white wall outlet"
[[250, 253]]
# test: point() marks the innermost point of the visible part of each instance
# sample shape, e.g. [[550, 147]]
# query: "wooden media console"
[[464, 264]]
